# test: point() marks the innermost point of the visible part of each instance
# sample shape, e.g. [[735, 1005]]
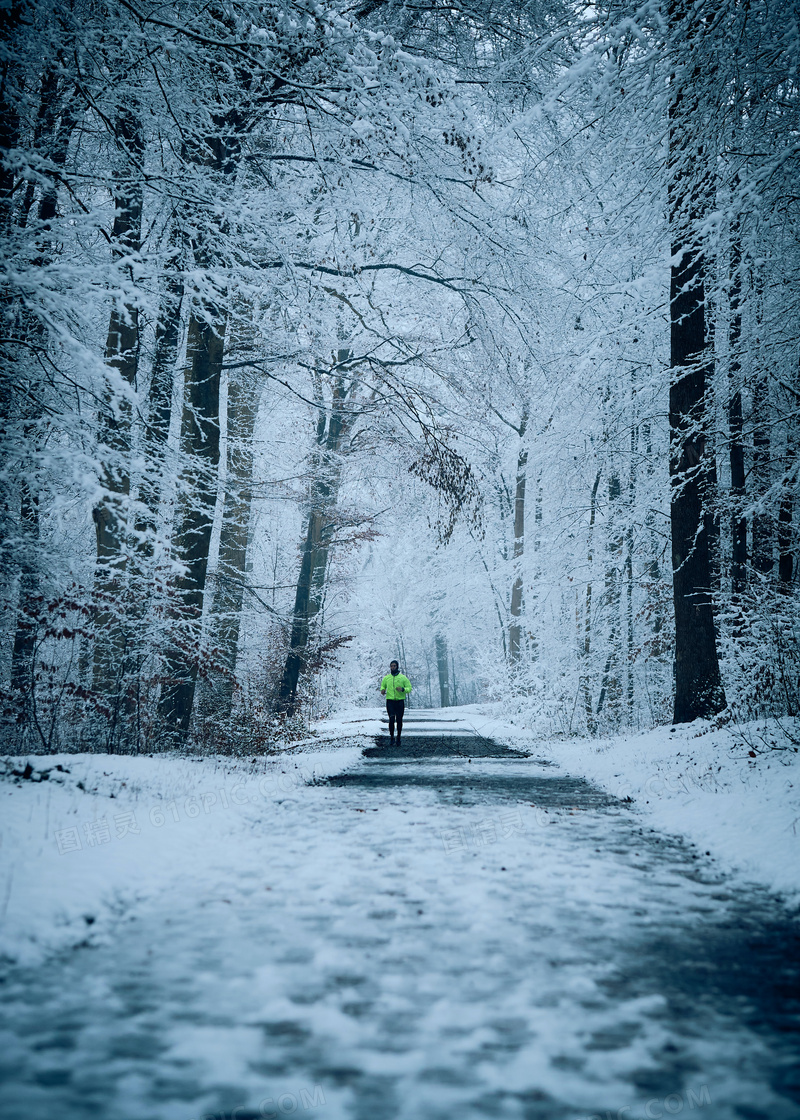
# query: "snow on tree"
[[331, 334]]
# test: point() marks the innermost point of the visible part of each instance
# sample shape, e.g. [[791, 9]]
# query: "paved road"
[[460, 933]]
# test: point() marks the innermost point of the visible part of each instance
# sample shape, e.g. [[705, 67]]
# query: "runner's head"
[[394, 668]]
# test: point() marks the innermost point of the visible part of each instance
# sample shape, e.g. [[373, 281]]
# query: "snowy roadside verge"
[[706, 783], [82, 847], [733, 791]]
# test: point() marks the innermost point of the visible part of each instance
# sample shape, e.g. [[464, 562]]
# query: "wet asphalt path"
[[470, 934]]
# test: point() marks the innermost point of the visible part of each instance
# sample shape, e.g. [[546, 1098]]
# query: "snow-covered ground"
[[733, 791], [417, 940], [87, 845], [73, 860]]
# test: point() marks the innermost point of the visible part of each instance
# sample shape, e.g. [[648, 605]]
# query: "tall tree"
[[225, 614], [443, 669], [698, 684], [195, 514], [515, 625], [216, 155], [736, 419], [52, 133], [122, 356], [162, 375], [334, 424]]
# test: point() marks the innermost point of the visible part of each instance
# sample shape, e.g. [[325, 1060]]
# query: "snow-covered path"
[[425, 938]]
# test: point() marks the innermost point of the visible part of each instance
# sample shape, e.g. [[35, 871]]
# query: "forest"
[[459, 331]]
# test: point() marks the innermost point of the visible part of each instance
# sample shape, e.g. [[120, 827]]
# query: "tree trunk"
[[226, 606], [713, 527], [301, 617], [122, 355], [53, 135], [326, 474], [786, 557], [629, 549], [10, 76], [785, 515], [608, 683], [585, 684], [49, 140], [698, 685], [735, 423], [159, 403], [515, 627], [611, 684], [196, 504], [194, 516], [763, 560], [533, 610], [22, 668], [443, 668]]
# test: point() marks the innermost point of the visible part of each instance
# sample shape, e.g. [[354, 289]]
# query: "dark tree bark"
[[710, 499], [195, 514], [515, 627], [10, 76], [763, 559], [226, 606], [629, 549], [22, 669], [786, 553], [48, 137], [159, 402], [305, 609], [584, 648], [326, 475], [698, 685], [785, 533], [122, 355], [54, 127], [608, 683], [533, 613], [611, 684]]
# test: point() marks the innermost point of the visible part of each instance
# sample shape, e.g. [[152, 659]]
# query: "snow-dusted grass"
[[87, 843]]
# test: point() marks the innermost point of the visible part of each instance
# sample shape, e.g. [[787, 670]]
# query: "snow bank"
[[733, 791], [100, 833]]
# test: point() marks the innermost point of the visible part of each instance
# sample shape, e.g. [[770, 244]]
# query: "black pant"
[[395, 708]]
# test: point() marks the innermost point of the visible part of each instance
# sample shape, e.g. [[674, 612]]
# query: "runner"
[[395, 687]]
